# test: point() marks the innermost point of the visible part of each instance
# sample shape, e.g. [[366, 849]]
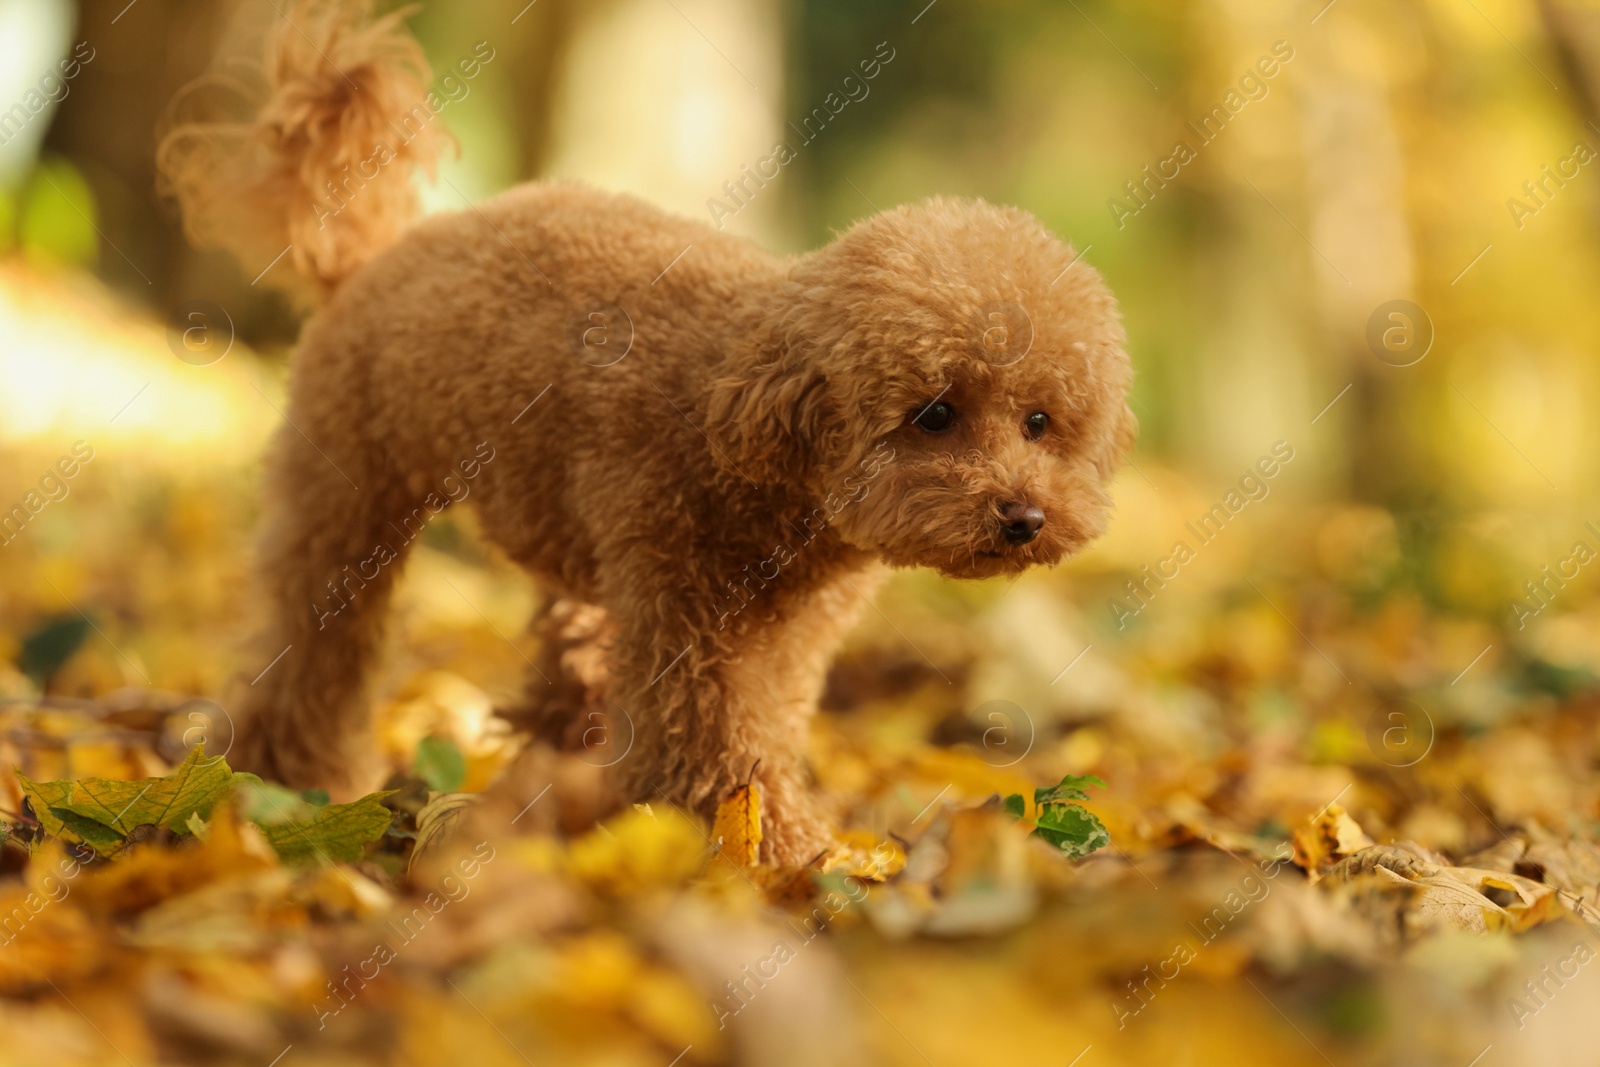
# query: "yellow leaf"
[[45, 936], [597, 971], [863, 854], [664, 1004], [145, 876], [635, 853], [1333, 836], [737, 830]]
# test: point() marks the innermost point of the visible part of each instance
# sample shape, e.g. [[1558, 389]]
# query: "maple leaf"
[[103, 811], [336, 833]]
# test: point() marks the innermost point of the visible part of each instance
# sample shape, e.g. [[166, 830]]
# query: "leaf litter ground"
[[1311, 845]]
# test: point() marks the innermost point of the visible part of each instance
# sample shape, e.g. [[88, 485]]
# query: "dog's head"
[[949, 385]]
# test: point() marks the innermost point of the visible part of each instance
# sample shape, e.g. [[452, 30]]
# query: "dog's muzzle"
[[1020, 523]]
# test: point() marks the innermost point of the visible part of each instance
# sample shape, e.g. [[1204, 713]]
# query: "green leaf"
[[1070, 788], [440, 763], [268, 803], [1073, 830], [118, 807], [102, 839], [102, 811], [336, 833], [48, 647], [1015, 806]]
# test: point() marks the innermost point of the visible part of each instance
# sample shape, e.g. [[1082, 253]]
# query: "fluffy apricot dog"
[[706, 453]]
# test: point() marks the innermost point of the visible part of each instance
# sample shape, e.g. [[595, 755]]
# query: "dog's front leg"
[[712, 704], [705, 720]]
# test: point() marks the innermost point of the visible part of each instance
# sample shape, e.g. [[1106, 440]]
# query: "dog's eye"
[[1035, 425], [936, 417]]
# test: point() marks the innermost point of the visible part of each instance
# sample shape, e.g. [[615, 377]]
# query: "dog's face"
[[948, 384]]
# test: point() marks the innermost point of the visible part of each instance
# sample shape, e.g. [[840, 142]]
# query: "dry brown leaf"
[[1446, 903], [437, 819], [1329, 839], [1571, 866], [1458, 898]]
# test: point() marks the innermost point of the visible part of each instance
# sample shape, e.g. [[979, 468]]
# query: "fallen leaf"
[[1333, 836], [142, 876], [439, 762], [1064, 824], [45, 940], [79, 807], [437, 818], [337, 833], [737, 829], [1455, 898], [636, 853]]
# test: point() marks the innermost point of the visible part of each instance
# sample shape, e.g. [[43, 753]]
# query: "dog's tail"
[[315, 160]]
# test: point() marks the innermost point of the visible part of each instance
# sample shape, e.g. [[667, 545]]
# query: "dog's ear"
[[1120, 444], [768, 424]]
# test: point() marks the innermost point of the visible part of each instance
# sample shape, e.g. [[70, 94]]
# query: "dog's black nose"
[[1020, 523]]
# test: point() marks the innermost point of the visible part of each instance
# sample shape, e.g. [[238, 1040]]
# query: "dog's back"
[[567, 326]]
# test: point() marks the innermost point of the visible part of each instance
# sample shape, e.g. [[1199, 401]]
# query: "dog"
[[708, 454]]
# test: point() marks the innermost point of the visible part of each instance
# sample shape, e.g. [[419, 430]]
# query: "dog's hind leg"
[[564, 700], [332, 546]]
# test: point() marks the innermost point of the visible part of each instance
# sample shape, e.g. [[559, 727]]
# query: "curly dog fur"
[[707, 451]]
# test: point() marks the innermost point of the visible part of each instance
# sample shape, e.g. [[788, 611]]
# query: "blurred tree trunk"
[[534, 76], [107, 127], [514, 93], [109, 124], [1574, 33], [671, 101], [1360, 247]]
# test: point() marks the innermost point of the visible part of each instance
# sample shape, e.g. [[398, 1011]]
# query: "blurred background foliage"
[[1377, 163]]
